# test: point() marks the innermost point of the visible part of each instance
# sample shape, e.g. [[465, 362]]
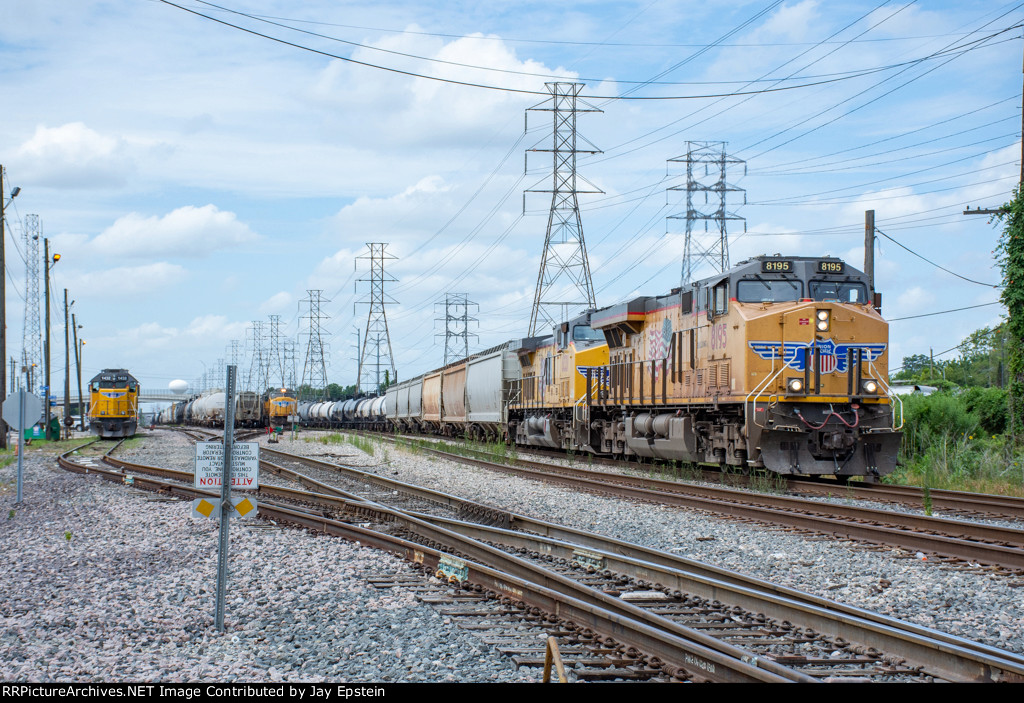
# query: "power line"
[[969, 280], [520, 91], [942, 312]]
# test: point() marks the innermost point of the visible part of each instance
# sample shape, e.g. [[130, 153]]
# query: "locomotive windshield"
[[839, 291], [585, 333], [769, 290]]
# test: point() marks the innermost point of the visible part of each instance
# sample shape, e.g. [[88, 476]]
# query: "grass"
[[497, 451], [964, 463]]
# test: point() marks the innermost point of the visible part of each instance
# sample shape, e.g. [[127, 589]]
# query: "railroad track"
[[954, 541], [957, 502], [670, 599]]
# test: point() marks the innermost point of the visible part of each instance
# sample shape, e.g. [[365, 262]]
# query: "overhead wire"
[[927, 260]]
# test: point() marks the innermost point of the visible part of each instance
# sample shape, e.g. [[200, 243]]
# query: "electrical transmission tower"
[[32, 336], [257, 380], [376, 353], [314, 370], [707, 167], [275, 366], [456, 325], [564, 279], [288, 351]]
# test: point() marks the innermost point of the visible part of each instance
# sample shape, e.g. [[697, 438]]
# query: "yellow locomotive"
[[114, 403], [562, 375], [779, 363], [280, 405]]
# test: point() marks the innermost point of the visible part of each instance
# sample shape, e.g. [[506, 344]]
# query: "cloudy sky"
[[197, 176]]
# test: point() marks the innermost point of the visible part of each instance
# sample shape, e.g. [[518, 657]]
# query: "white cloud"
[[277, 302], [127, 280], [74, 156], [188, 231]]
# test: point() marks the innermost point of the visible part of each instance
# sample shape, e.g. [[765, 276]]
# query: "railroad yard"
[[112, 582]]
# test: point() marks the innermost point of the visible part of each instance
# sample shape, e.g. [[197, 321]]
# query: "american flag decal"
[[832, 356], [658, 342]]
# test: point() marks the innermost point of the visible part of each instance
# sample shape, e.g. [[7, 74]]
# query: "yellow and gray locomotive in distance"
[[779, 363], [114, 403]]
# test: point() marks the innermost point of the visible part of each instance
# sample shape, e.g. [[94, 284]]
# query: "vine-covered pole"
[[1010, 253]]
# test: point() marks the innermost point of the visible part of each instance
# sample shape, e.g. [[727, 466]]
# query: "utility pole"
[[3, 298], [78, 367], [67, 366], [565, 251], [869, 247]]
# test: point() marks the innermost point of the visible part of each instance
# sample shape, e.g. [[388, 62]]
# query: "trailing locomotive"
[[114, 403], [779, 363]]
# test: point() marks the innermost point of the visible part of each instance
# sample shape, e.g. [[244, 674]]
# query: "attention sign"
[[245, 465]]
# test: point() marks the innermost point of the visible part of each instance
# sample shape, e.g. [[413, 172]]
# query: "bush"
[[932, 418], [990, 407]]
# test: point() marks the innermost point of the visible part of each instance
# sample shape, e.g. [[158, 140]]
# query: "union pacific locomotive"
[[779, 363], [114, 403]]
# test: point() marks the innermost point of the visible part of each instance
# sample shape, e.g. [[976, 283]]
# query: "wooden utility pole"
[[3, 306], [67, 367], [869, 247], [78, 366]]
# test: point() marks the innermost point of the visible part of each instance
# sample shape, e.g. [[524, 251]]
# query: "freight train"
[[779, 363], [277, 407], [114, 403]]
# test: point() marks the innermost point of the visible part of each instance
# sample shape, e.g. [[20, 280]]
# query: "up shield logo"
[[833, 356]]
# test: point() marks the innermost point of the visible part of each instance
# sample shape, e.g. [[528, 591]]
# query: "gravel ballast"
[[105, 583], [108, 583]]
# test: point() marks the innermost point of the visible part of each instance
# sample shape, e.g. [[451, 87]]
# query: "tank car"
[[208, 410], [114, 403]]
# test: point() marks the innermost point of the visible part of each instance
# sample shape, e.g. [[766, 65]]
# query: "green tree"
[[1010, 253]]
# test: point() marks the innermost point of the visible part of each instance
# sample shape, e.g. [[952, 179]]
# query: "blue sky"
[[196, 177]]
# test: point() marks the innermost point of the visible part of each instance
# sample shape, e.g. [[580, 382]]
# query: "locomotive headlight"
[[869, 386], [822, 323], [795, 385]]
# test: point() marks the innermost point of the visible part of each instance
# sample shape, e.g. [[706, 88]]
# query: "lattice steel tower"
[[713, 248], [257, 380], [314, 370], [376, 353], [32, 335], [275, 365], [564, 279], [288, 351], [456, 325]]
